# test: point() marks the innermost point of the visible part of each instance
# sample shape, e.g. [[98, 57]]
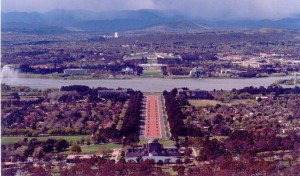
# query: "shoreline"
[[25, 76]]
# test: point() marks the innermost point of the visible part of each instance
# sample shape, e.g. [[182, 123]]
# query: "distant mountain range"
[[124, 21]]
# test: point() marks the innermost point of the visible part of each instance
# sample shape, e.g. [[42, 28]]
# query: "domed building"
[[152, 148]]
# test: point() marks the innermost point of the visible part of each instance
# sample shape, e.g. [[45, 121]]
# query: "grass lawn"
[[152, 73], [96, 148], [164, 142], [243, 101], [218, 137], [199, 103], [15, 139], [93, 149], [152, 61]]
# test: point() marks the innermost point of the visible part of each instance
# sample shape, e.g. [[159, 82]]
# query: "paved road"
[[152, 123], [153, 116]]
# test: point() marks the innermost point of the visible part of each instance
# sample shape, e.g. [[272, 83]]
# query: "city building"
[[196, 72], [75, 72], [152, 148], [256, 64], [116, 35]]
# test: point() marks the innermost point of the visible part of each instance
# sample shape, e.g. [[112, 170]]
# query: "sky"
[[231, 9]]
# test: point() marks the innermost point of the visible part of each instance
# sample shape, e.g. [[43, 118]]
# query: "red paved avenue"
[[152, 118]]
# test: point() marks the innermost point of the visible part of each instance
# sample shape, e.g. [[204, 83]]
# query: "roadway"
[[154, 124]]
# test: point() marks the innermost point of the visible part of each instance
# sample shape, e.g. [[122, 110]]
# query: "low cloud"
[[235, 9], [231, 9], [93, 5]]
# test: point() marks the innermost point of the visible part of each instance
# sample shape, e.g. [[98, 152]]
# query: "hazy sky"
[[254, 9]]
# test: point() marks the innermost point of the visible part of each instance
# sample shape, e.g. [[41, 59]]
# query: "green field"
[[199, 103], [93, 149], [152, 61], [164, 142], [96, 148], [152, 73], [15, 139]]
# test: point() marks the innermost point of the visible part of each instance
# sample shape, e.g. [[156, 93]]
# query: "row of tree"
[[277, 90], [175, 117], [131, 120], [28, 69], [198, 56], [131, 123], [91, 93], [25, 68], [39, 148]]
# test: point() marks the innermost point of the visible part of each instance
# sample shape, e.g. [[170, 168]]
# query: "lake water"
[[149, 84]]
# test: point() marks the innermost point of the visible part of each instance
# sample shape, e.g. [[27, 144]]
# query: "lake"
[[149, 84]]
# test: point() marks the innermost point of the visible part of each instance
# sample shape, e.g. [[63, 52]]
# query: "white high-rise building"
[[116, 35]]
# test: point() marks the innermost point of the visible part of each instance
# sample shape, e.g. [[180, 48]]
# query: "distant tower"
[[116, 35]]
